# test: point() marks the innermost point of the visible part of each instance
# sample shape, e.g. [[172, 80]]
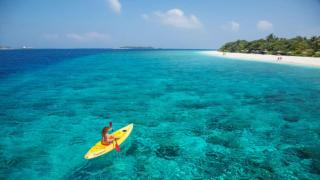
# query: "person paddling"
[[106, 137]]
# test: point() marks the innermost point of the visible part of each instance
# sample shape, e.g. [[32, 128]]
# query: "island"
[[301, 51], [272, 45], [137, 47], [4, 47]]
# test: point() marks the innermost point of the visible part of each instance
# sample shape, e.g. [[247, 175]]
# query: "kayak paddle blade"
[[117, 147]]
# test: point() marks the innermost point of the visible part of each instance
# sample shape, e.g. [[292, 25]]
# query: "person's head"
[[105, 130]]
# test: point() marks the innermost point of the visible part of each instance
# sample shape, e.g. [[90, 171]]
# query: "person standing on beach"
[[278, 59]]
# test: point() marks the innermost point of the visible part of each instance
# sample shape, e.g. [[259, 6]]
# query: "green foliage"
[[298, 46], [317, 54]]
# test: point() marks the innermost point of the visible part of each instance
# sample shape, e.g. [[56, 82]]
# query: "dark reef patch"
[[170, 117], [308, 152], [251, 99], [212, 121], [154, 94], [191, 104], [215, 155], [288, 135], [311, 152], [315, 166], [132, 149], [213, 165], [187, 104], [291, 118], [258, 168], [32, 156], [228, 141], [168, 151], [63, 113], [42, 105], [198, 132], [234, 124], [273, 98]]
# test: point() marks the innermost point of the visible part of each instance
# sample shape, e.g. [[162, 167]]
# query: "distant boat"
[[26, 47]]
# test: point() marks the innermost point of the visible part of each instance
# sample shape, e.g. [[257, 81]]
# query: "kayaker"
[[106, 137]]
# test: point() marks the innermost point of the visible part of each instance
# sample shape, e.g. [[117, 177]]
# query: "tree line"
[[298, 46]]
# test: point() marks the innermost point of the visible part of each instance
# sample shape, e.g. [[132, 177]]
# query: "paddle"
[[117, 146]]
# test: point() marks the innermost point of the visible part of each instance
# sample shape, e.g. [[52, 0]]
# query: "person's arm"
[[110, 137]]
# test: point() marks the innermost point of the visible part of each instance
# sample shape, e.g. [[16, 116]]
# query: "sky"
[[158, 23]]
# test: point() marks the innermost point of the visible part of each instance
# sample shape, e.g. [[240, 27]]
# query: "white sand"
[[292, 60]]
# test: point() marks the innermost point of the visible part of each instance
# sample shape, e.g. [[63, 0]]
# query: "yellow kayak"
[[99, 149]]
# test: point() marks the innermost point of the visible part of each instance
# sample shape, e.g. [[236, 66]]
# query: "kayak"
[[99, 149]]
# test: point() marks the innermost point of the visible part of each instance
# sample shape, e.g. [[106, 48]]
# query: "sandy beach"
[[292, 60]]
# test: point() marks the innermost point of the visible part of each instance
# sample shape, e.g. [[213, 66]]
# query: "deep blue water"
[[195, 116], [17, 61]]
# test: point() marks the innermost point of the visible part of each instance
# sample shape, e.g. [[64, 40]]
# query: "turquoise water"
[[195, 116]]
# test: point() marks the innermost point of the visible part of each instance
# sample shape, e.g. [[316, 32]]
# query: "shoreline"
[[291, 60]]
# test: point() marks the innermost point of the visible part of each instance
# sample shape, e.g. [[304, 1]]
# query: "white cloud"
[[175, 18], [264, 25], [88, 37], [231, 26], [115, 5]]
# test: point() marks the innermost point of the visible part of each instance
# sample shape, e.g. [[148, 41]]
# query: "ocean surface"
[[195, 116]]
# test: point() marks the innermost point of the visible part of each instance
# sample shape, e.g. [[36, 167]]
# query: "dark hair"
[[105, 130]]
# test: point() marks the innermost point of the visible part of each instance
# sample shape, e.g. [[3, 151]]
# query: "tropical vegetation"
[[298, 46]]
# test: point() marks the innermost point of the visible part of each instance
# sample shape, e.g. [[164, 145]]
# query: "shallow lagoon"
[[195, 116]]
